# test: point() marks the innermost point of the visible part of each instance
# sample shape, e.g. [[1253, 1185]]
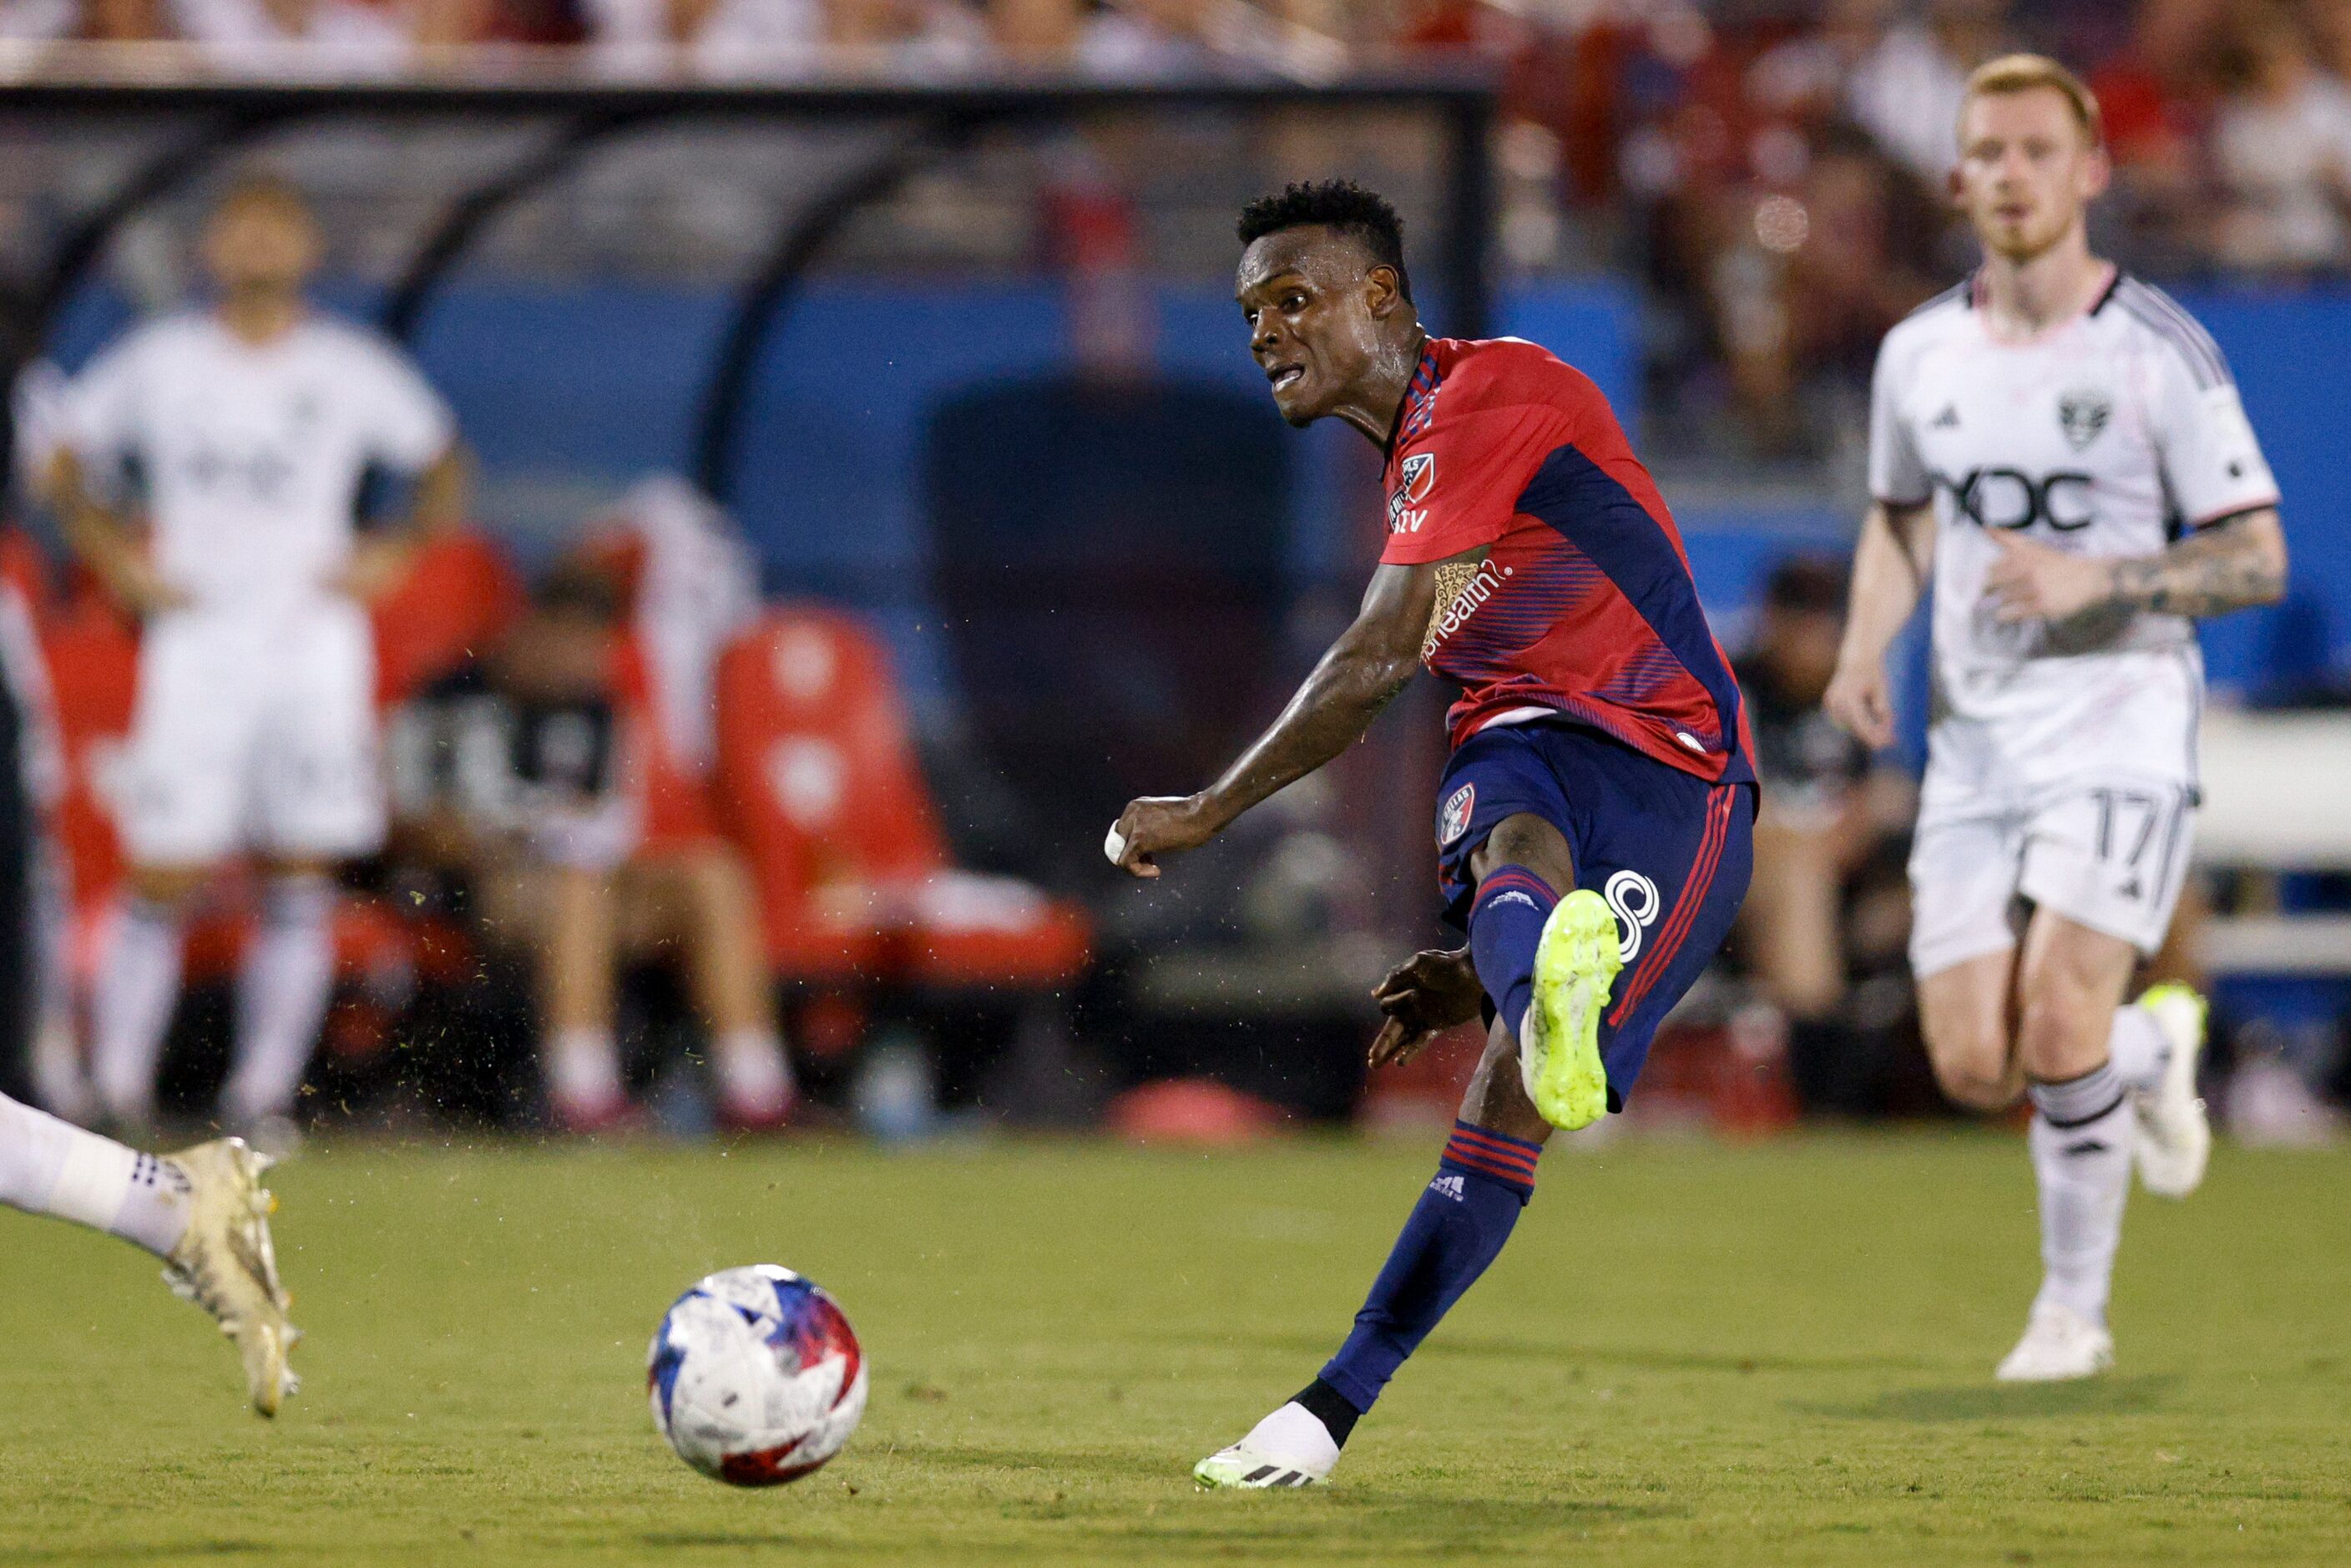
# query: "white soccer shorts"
[[254, 732], [2108, 851]]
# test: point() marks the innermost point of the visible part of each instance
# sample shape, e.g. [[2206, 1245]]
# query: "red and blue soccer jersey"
[[1582, 606]]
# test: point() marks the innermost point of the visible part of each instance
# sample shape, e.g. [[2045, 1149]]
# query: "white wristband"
[[1114, 846]]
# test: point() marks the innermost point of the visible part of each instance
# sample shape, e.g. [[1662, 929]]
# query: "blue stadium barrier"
[[568, 392]]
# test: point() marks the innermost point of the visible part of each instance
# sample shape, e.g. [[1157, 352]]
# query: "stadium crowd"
[[1770, 168], [576, 907]]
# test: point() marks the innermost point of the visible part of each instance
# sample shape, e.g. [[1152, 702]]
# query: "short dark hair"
[[1366, 216]]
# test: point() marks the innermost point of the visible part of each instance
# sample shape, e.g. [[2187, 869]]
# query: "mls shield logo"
[[2082, 414], [1454, 820], [1413, 481], [1419, 476]]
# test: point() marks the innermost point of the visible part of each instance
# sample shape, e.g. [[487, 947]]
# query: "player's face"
[[261, 244], [2027, 170], [1313, 301]]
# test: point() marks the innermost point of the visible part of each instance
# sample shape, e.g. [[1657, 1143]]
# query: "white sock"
[[2138, 1049], [583, 1069], [282, 990], [138, 986], [754, 1078], [60, 1079], [48, 1166], [56, 1070], [1296, 1435], [2081, 1143]]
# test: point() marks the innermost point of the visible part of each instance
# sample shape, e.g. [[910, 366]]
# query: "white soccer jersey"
[[251, 457], [2106, 437]]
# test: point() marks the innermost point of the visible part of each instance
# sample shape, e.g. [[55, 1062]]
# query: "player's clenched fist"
[[1860, 700], [1157, 825], [1423, 996]]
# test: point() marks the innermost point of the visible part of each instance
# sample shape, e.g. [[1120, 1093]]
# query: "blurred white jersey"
[[2060, 758], [252, 456], [2107, 436], [254, 724]]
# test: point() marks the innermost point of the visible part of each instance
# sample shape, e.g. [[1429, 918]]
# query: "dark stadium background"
[[1001, 411]]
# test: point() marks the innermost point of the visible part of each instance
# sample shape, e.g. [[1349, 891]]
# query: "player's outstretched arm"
[[1372, 661], [1890, 574], [2233, 564]]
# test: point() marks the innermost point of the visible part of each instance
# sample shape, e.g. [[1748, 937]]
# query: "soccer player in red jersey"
[[1592, 822]]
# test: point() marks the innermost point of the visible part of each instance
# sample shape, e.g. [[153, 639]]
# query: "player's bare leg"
[[1966, 1013], [2044, 1018], [283, 987], [203, 1210], [137, 990], [728, 976], [579, 943]]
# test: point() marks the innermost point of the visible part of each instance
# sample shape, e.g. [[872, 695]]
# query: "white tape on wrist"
[[1114, 846]]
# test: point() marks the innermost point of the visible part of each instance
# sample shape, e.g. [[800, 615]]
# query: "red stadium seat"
[[26, 565], [675, 803], [820, 784], [458, 595], [92, 651]]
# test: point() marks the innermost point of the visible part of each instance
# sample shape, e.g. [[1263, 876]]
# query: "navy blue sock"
[[1455, 1229], [1505, 924]]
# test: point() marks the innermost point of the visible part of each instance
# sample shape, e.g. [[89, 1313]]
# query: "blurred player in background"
[[1593, 821], [203, 1212], [2066, 448], [248, 428]]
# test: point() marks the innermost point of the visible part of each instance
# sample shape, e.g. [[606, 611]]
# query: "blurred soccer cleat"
[[2059, 1344], [1559, 1045], [228, 1265], [1290, 1447], [2175, 1137]]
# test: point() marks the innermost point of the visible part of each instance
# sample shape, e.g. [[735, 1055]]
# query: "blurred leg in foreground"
[[201, 1210]]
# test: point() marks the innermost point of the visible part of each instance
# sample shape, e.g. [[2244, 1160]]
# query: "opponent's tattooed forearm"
[[2228, 566]]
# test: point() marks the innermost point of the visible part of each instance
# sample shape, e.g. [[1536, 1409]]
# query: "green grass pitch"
[[1689, 1355]]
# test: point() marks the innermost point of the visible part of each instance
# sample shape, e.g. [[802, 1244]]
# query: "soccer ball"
[[755, 1377]]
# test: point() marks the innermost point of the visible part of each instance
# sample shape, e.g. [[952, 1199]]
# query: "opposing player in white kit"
[[2066, 447], [203, 1212], [249, 427]]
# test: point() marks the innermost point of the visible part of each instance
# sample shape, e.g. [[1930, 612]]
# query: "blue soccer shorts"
[[1670, 851]]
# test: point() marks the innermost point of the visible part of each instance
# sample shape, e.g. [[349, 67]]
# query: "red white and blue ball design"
[[755, 1377]]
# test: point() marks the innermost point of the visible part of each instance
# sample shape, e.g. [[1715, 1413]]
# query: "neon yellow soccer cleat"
[[227, 1264], [1558, 1044]]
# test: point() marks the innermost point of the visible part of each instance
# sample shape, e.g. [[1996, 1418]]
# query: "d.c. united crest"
[[2081, 414]]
